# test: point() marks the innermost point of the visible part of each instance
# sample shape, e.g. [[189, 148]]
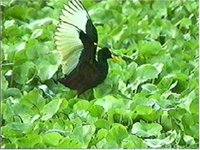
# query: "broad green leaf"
[[189, 140], [96, 111], [12, 92], [133, 141], [83, 134], [186, 101], [33, 99], [146, 72], [148, 48], [146, 129], [17, 11], [102, 90], [68, 143], [16, 129], [47, 66], [37, 33], [158, 143], [102, 123], [22, 72], [177, 113], [29, 141], [150, 88], [110, 102], [51, 138], [185, 22], [115, 136], [81, 108], [51, 108]]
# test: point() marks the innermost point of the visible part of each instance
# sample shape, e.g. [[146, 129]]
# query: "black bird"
[[76, 40]]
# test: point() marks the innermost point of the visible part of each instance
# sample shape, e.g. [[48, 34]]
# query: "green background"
[[148, 100]]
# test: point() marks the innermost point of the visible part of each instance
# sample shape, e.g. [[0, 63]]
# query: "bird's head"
[[104, 53]]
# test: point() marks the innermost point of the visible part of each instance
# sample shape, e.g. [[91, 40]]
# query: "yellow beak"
[[115, 58]]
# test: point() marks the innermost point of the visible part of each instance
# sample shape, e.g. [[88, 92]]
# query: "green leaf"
[[17, 11], [29, 141], [47, 66], [146, 72], [4, 83], [81, 108], [102, 123], [185, 22], [12, 92], [51, 108], [133, 141], [148, 48], [189, 140], [34, 97], [16, 129], [21, 73], [51, 139], [150, 88], [102, 90], [146, 129], [35, 50], [177, 113], [37, 33], [83, 134], [158, 143], [115, 136], [187, 100], [96, 110], [69, 143]]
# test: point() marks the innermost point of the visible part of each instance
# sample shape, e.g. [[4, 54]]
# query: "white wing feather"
[[73, 19]]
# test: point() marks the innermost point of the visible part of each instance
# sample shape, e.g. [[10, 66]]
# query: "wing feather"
[[73, 20]]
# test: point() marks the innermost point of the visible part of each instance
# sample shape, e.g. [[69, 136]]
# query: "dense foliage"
[[149, 99]]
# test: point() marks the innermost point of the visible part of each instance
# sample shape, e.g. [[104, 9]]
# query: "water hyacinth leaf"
[[96, 111], [51, 138], [35, 98], [146, 129], [30, 140], [102, 123], [37, 33], [12, 92], [185, 22], [83, 134], [69, 143], [81, 107], [146, 72], [21, 72], [158, 143], [147, 48], [133, 141], [51, 108], [47, 66], [116, 135]]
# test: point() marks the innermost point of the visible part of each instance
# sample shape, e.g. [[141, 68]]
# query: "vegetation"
[[149, 99]]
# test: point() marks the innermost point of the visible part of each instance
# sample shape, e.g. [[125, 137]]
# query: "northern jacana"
[[76, 40]]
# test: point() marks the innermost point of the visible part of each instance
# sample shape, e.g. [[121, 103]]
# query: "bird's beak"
[[115, 58]]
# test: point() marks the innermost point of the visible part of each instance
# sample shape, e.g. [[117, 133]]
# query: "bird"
[[76, 40]]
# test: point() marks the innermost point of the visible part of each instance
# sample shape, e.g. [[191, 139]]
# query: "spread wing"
[[73, 21]]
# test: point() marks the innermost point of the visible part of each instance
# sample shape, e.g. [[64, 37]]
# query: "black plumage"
[[87, 72], [88, 75]]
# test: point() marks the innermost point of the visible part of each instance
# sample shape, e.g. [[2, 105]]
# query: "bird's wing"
[[73, 20]]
